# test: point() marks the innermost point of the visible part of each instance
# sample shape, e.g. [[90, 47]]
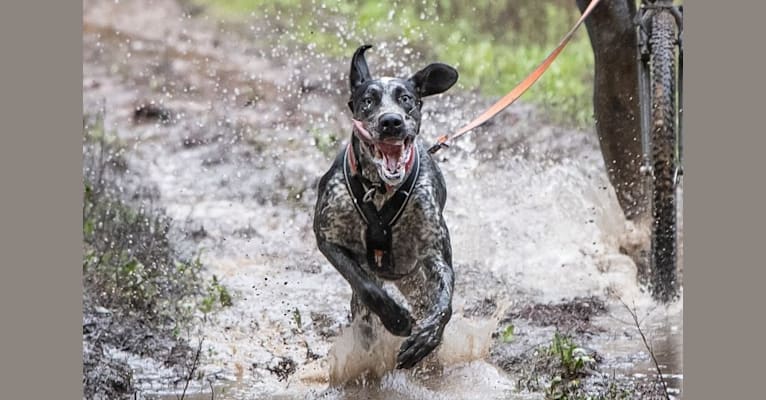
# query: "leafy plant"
[[217, 294], [297, 317], [325, 142], [558, 370], [571, 357], [507, 335], [571, 360], [129, 264]]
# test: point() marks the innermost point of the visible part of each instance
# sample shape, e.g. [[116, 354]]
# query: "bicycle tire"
[[663, 151]]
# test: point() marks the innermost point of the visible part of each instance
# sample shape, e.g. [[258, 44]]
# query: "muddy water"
[[531, 214]]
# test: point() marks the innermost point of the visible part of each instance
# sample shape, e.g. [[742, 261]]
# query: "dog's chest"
[[409, 236]]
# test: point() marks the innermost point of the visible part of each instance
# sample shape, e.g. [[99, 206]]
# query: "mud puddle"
[[246, 134]]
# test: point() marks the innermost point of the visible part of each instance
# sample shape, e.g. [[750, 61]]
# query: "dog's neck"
[[369, 173]]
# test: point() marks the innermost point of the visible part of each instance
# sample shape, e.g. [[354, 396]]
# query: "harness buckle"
[[438, 146], [368, 194]]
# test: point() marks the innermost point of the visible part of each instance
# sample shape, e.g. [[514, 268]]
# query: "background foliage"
[[494, 44]]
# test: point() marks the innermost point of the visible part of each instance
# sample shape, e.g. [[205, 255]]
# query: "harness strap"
[[379, 222], [517, 91]]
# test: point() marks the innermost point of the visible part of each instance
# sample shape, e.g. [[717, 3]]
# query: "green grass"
[[493, 44], [129, 264], [559, 370]]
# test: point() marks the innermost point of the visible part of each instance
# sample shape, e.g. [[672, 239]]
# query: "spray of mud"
[[464, 341], [352, 371]]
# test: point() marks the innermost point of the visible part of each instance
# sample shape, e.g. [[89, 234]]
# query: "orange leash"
[[516, 92]]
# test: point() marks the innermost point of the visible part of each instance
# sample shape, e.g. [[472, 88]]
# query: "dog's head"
[[387, 112]]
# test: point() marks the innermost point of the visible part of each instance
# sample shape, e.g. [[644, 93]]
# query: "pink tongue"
[[391, 153]]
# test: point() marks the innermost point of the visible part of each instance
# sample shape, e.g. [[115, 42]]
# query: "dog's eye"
[[367, 102], [406, 99]]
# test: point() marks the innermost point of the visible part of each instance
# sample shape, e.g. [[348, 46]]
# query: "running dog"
[[378, 214]]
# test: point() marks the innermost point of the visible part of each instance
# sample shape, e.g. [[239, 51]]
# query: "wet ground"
[[233, 133]]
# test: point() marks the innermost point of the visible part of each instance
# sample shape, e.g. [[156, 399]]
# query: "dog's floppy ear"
[[359, 71], [434, 79]]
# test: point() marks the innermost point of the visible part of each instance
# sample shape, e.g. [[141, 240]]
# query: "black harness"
[[379, 222]]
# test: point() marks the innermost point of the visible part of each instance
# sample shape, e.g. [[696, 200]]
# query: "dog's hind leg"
[[364, 323]]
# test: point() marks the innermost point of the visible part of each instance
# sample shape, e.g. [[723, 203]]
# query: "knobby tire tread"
[[663, 136]]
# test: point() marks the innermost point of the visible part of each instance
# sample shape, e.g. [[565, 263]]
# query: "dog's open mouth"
[[390, 156]]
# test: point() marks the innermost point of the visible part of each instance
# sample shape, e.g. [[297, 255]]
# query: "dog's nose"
[[390, 123]]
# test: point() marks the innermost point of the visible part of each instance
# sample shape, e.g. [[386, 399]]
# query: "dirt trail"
[[232, 135]]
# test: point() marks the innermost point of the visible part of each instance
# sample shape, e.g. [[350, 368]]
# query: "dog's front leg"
[[394, 317], [439, 283]]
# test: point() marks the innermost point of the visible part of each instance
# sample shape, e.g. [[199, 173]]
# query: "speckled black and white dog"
[[379, 211]]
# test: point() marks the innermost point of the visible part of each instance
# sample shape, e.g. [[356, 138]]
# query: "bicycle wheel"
[[663, 139]]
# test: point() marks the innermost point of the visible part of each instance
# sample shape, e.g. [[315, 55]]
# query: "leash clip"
[[438, 146]]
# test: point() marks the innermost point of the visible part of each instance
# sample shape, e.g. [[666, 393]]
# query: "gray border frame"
[[724, 198], [41, 201]]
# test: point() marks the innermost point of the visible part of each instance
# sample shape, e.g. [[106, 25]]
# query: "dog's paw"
[[397, 320], [419, 345]]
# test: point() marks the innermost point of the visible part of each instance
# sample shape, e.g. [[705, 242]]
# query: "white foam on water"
[[463, 341], [456, 369], [349, 360], [548, 230]]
